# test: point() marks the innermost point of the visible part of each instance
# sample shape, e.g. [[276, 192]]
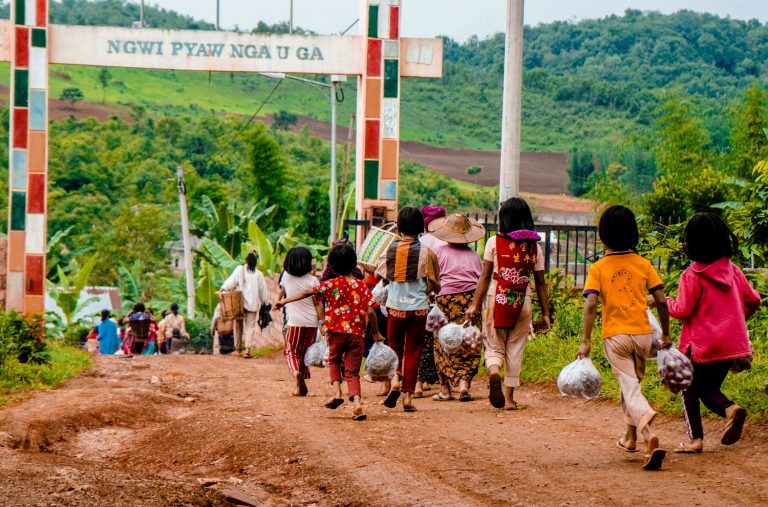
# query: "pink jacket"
[[713, 302]]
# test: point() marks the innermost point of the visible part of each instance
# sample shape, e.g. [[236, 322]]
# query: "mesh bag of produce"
[[317, 354], [380, 293], [473, 337], [656, 335], [436, 319], [580, 379], [451, 337], [381, 363], [675, 369]]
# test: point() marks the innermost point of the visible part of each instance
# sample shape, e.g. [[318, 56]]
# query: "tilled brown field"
[[147, 430]]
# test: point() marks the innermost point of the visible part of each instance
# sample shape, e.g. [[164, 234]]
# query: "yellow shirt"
[[622, 279]]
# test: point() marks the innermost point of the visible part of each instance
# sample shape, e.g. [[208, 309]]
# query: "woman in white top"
[[170, 322], [251, 283], [301, 326]]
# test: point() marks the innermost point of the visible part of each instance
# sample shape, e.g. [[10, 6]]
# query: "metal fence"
[[571, 249]]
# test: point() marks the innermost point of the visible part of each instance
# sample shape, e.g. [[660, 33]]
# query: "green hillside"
[[588, 83]]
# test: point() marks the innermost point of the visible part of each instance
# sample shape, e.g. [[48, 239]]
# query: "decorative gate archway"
[[378, 58]]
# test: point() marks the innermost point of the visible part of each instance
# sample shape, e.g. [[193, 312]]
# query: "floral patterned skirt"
[[461, 365]]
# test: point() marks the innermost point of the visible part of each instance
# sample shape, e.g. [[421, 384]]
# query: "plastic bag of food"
[[451, 337], [317, 353], [381, 363], [380, 293], [473, 337], [580, 379], [656, 334], [675, 369], [436, 319]]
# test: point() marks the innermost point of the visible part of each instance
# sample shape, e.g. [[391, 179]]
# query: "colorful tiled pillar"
[[28, 160], [378, 121]]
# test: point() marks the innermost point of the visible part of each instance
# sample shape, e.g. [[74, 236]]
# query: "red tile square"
[[42, 13], [35, 275], [374, 57], [36, 193], [372, 139], [20, 127], [394, 22], [34, 304], [22, 46]]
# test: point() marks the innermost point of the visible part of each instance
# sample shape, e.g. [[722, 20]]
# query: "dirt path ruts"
[[142, 431]]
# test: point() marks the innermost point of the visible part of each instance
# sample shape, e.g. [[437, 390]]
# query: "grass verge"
[[66, 362]]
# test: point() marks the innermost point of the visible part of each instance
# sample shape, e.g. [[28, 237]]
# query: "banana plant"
[[66, 293]]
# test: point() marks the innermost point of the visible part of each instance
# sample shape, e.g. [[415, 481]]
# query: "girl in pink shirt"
[[713, 302]]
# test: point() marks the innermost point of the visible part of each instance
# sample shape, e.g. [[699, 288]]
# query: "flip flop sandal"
[[335, 403], [391, 400], [496, 396], [359, 417], [409, 408], [654, 461], [515, 406], [465, 397], [733, 427], [442, 397], [301, 384], [686, 449], [418, 395], [624, 447]]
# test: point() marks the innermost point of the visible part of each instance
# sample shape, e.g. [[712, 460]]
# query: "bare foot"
[[627, 444], [695, 446]]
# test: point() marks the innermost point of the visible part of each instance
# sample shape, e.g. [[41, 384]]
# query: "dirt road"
[[142, 431]]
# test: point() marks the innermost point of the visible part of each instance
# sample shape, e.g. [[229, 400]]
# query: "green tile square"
[[371, 181], [373, 21], [18, 211], [20, 10], [38, 37], [391, 78], [21, 88]]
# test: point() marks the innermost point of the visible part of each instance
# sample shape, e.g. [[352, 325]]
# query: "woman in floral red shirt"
[[346, 302]]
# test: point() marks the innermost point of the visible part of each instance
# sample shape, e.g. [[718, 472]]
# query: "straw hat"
[[457, 229]]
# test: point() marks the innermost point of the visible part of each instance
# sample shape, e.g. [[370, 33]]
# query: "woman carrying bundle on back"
[[460, 269], [413, 273], [511, 258]]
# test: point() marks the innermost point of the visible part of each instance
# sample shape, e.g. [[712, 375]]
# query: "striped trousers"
[[297, 341]]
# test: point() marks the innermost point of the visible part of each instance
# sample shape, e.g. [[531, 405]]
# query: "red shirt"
[[346, 301]]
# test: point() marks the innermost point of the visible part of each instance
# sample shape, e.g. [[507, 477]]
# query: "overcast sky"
[[456, 18]]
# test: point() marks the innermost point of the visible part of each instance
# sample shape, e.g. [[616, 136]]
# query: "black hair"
[[515, 215], [251, 261], [298, 261], [139, 308], [618, 228], [410, 221], [104, 315], [707, 238], [342, 259], [175, 308]]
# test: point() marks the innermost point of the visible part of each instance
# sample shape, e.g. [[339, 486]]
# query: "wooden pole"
[[187, 240], [509, 177]]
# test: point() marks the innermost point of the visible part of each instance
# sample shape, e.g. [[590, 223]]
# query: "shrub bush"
[[22, 339], [200, 339]]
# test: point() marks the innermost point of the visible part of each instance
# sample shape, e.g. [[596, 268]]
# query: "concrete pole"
[[187, 240], [290, 18], [218, 16], [332, 192], [141, 14], [509, 177]]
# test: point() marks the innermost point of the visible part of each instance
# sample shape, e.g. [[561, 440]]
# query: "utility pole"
[[141, 14], [332, 191], [187, 240], [218, 11], [511, 122], [290, 17]]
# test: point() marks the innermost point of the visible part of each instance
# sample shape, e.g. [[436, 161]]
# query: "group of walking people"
[[140, 332], [431, 264]]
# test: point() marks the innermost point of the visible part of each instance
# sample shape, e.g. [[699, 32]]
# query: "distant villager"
[[107, 334], [250, 281]]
